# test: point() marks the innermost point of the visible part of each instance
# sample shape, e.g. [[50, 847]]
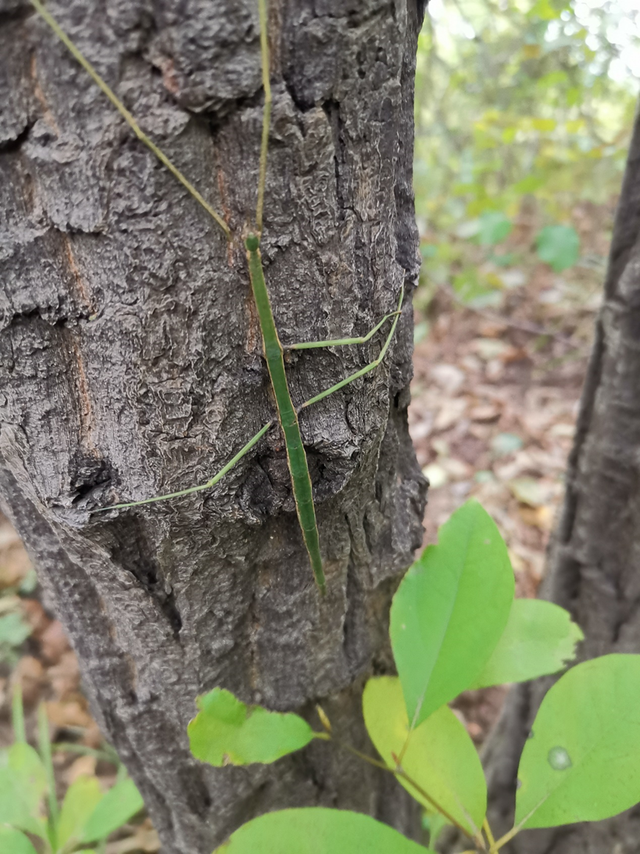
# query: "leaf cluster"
[[86, 817], [523, 115], [455, 625]]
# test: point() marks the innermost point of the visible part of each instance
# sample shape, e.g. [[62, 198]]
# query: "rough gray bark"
[[595, 553], [131, 366]]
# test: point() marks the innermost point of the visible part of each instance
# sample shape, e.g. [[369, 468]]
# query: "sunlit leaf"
[[539, 638], [227, 732], [439, 756], [582, 762], [546, 9], [80, 800], [116, 808], [544, 125], [450, 611], [558, 246], [316, 830]]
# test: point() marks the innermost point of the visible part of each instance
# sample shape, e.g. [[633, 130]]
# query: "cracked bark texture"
[[131, 366], [594, 558]]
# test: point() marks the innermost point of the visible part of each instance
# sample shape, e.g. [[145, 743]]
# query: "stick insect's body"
[[272, 348], [287, 416]]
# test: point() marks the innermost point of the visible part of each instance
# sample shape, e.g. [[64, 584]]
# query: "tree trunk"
[[132, 366], [595, 554]]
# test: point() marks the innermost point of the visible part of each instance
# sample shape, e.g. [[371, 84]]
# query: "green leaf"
[[14, 842], [582, 762], [539, 638], [546, 10], [506, 443], [440, 756], [450, 611], [228, 732], [528, 185], [80, 800], [315, 830], [29, 770], [471, 289], [494, 228], [22, 787], [558, 246], [544, 125], [116, 808], [14, 629]]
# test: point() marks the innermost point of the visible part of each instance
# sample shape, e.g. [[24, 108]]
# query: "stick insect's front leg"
[[226, 468], [342, 342], [367, 368]]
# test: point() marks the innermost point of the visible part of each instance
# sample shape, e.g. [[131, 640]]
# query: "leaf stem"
[[489, 833], [401, 773], [17, 715], [44, 744], [504, 839], [516, 829]]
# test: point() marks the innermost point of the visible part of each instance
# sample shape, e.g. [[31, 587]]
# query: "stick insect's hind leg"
[[367, 368], [342, 342], [244, 450]]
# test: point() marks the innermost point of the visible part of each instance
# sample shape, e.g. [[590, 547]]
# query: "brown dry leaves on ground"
[[493, 412], [47, 670], [495, 399]]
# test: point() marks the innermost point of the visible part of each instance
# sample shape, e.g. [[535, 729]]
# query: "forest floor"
[[495, 399]]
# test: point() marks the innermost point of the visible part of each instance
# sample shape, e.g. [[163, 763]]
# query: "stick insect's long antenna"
[[266, 116], [126, 115]]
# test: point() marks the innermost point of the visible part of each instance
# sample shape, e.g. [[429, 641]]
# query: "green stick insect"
[[287, 414]]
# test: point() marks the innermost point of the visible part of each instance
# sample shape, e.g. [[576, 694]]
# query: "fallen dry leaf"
[[29, 673], [53, 642], [65, 676], [539, 517], [70, 714], [450, 413], [144, 841], [36, 616], [83, 766], [485, 412]]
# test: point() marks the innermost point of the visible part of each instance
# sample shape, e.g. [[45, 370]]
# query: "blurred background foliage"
[[524, 110]]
